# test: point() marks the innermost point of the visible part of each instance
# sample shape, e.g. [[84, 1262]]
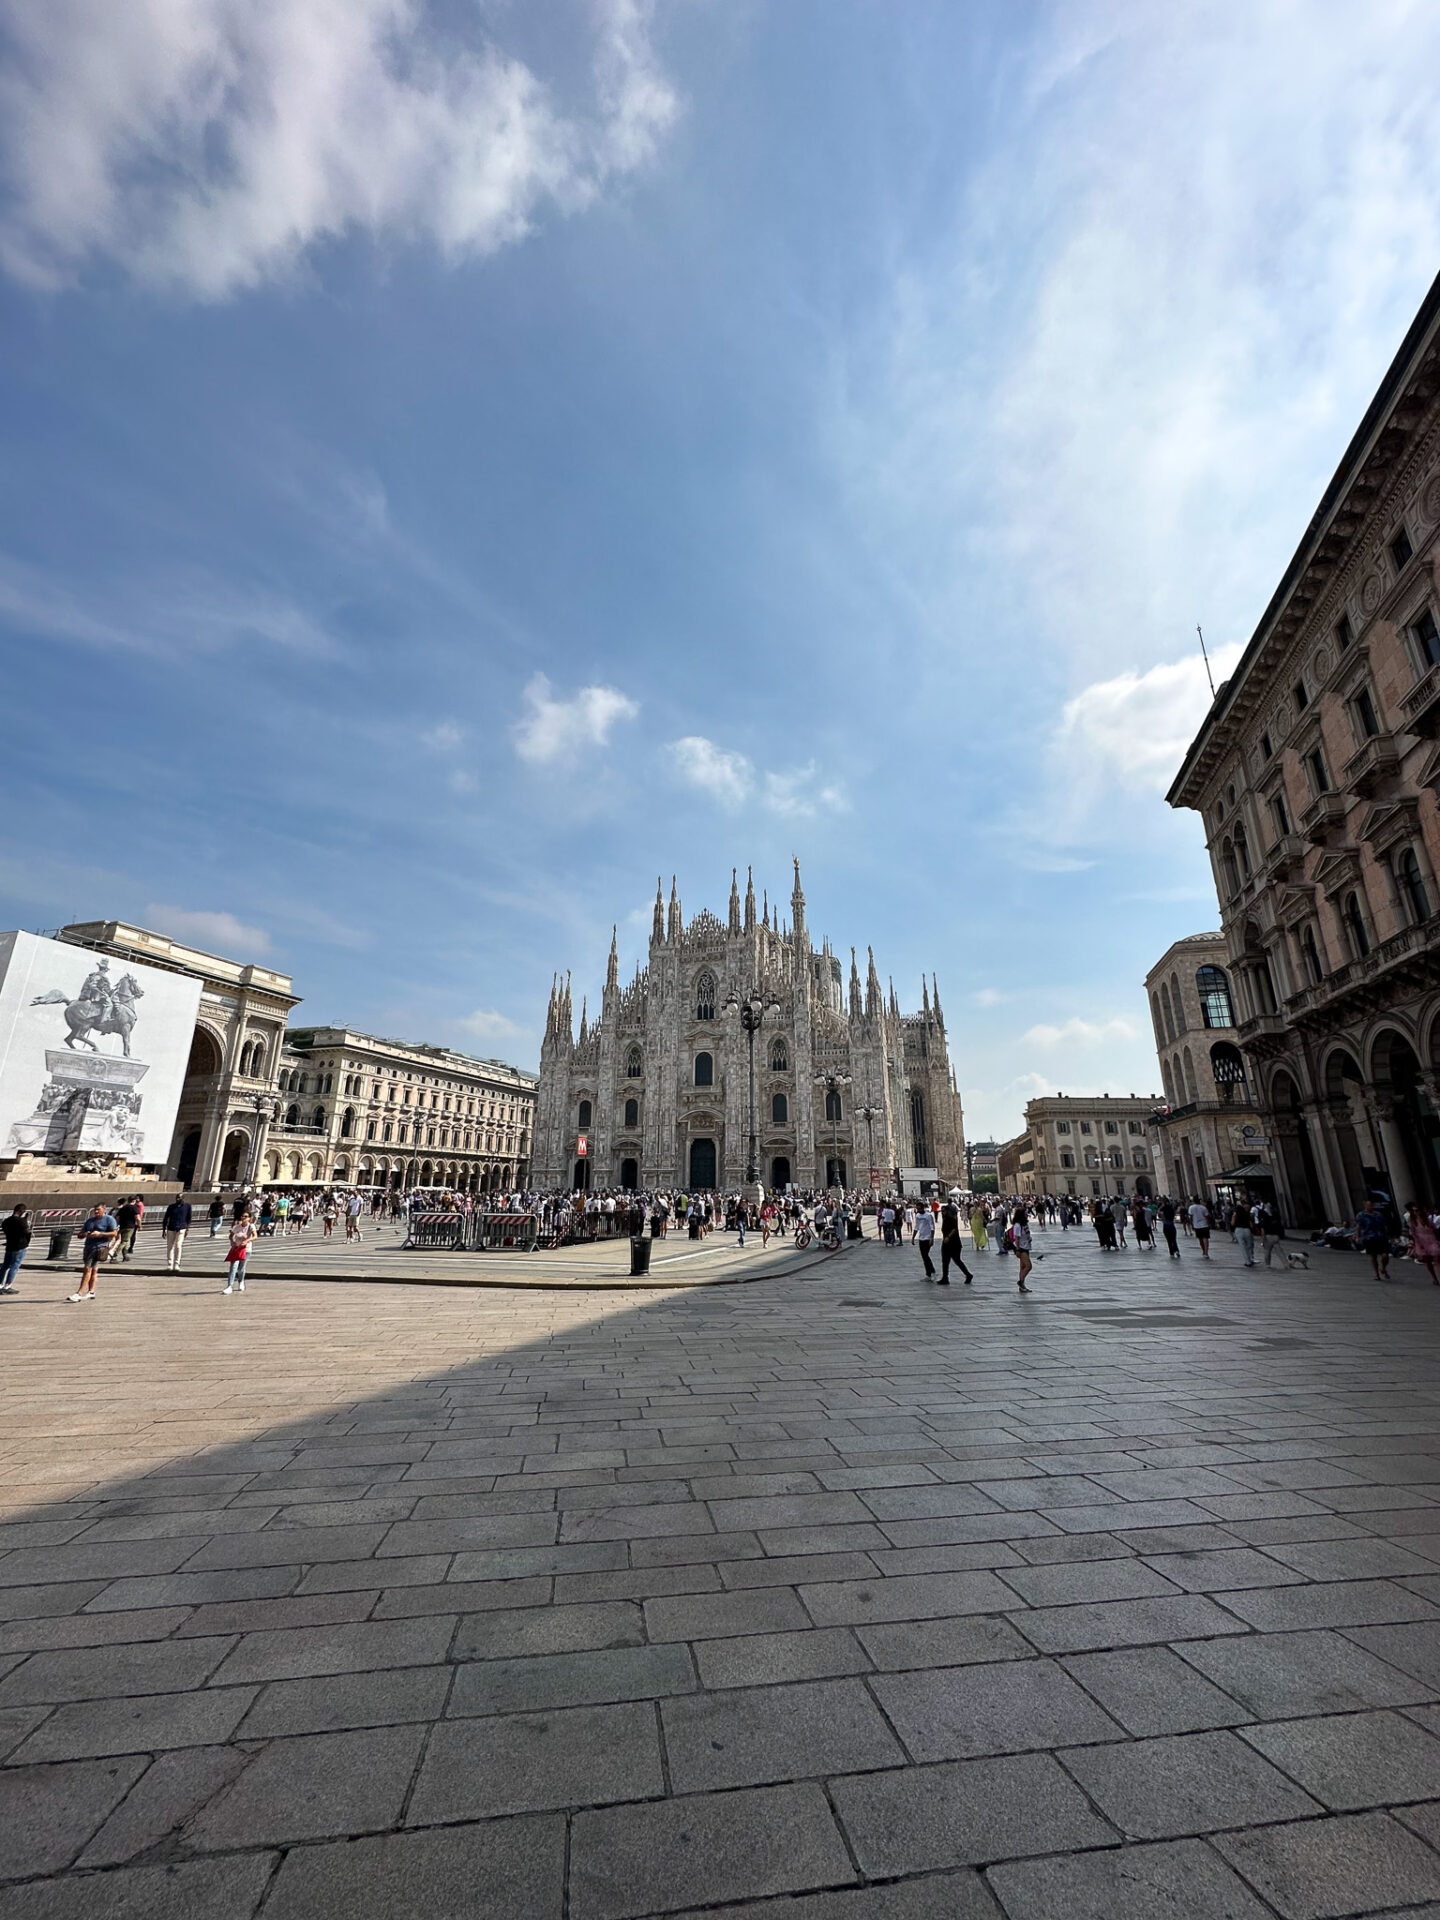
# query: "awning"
[[1252, 1170]]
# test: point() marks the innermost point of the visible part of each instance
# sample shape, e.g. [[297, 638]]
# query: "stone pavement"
[[382, 1255], [837, 1597]]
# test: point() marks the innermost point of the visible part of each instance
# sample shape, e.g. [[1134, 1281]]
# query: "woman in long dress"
[[977, 1227]]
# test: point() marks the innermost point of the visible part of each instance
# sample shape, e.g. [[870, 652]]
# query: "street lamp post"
[[870, 1115], [752, 1011], [832, 1083]]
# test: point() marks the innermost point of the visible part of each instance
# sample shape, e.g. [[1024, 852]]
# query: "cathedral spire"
[[584, 1027], [935, 1000], [677, 922], [657, 930], [894, 1003], [925, 998], [872, 989], [734, 900], [856, 1004], [765, 909], [749, 900], [612, 971], [797, 907]]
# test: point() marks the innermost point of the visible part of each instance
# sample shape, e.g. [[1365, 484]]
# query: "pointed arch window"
[[319, 1119], [705, 996], [634, 1064], [704, 1069], [585, 1116], [1228, 1067], [779, 1058], [779, 1108]]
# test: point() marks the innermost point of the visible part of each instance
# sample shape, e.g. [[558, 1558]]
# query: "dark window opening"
[[632, 1113], [1319, 778], [1365, 713], [1412, 887], [1213, 986], [1401, 548], [1280, 814], [1355, 926], [1344, 632], [587, 1114], [704, 1069], [1309, 948], [920, 1135], [779, 1108], [1265, 747], [1427, 639], [1302, 698]]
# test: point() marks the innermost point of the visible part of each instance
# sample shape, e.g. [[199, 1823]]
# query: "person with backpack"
[[950, 1254], [242, 1232]]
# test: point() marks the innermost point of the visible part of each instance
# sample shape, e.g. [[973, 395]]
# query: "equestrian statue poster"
[[92, 1052]]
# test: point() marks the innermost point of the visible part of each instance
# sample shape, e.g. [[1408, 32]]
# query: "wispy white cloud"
[[485, 1024], [552, 728], [214, 931], [732, 779], [1076, 1032], [1130, 731], [181, 612], [207, 145], [444, 738]]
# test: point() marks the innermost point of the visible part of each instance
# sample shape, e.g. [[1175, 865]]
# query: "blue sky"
[[462, 460]]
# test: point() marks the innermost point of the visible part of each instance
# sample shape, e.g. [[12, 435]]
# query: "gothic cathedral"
[[657, 1092]]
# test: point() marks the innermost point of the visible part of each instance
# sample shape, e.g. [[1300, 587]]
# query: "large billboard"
[[92, 1051]]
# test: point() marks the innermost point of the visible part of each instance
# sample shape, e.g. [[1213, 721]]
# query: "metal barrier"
[[437, 1231], [510, 1232]]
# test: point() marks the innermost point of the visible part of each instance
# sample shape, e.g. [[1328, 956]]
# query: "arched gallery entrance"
[[1413, 1120], [189, 1156], [702, 1165], [232, 1161], [1296, 1152]]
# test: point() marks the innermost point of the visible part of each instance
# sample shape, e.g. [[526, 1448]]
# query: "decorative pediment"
[[1294, 904], [1429, 774], [1391, 820], [1340, 868]]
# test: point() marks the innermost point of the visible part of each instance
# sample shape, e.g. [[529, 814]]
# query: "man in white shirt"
[[925, 1235], [1200, 1221]]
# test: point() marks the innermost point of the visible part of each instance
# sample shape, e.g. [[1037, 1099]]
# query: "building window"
[[1412, 887], [1310, 954], [1426, 637], [586, 1116], [1229, 871], [1366, 720], [1137, 1127], [318, 1117], [1062, 1126], [347, 1123], [1267, 752], [1302, 698], [1085, 1127], [1344, 632], [1067, 1159], [634, 1065], [1401, 548], [1315, 766], [779, 1108], [1140, 1158], [832, 1108], [1280, 814], [779, 1058], [387, 1131], [369, 1129], [705, 997], [1213, 986], [632, 1113], [1112, 1126], [1354, 917], [1242, 854], [704, 1069], [1117, 1157], [1227, 1068], [1092, 1157], [1168, 1011]]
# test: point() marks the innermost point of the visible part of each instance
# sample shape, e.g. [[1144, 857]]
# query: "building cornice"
[[1332, 541]]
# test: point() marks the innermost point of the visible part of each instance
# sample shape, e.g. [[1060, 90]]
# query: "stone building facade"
[[1316, 773], [355, 1110], [267, 1104], [228, 1096], [1213, 1140], [1092, 1146], [656, 1091]]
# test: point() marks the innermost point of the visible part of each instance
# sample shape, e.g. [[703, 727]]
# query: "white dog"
[[1300, 1259]]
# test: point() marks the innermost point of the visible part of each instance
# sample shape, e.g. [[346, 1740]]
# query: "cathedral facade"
[[656, 1091]]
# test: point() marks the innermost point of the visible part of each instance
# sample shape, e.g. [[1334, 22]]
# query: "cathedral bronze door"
[[702, 1165], [629, 1175]]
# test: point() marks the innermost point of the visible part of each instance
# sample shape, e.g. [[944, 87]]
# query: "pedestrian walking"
[[102, 1233], [242, 1232], [16, 1229], [1020, 1244], [1244, 1236], [950, 1254], [175, 1225], [1167, 1227], [977, 1227], [925, 1238], [216, 1216], [127, 1219], [1144, 1233], [1424, 1240], [742, 1220], [1372, 1237], [1200, 1226]]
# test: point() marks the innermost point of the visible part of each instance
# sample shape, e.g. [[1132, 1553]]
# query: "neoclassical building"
[[655, 1092], [1317, 773], [1211, 1132], [1089, 1146]]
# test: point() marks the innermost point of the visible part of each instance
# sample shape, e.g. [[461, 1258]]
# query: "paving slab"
[[757, 1590]]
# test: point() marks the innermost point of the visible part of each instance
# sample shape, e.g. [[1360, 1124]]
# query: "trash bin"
[[852, 1229], [640, 1254], [60, 1243]]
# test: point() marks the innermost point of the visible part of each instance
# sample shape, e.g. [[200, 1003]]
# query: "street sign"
[[582, 1146]]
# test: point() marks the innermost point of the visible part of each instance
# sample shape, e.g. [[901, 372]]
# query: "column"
[[1392, 1143]]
